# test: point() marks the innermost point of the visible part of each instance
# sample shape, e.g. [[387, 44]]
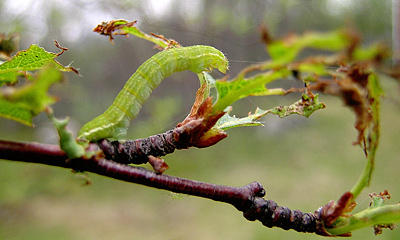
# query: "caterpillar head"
[[220, 62], [223, 66]]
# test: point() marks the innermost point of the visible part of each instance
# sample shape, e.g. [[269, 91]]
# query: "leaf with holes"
[[28, 101], [34, 58], [231, 91]]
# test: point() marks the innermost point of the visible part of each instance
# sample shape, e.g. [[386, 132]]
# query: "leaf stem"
[[373, 138], [387, 214], [364, 179], [136, 32]]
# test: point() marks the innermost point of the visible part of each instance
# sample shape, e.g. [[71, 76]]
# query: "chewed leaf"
[[28, 101], [231, 91], [112, 28], [227, 121], [34, 58], [123, 27], [304, 107]]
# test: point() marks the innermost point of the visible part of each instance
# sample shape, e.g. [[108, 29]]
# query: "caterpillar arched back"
[[114, 122]]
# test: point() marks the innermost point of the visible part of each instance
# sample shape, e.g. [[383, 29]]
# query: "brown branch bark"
[[248, 199]]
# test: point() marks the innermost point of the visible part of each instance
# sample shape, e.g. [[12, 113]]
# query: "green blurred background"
[[303, 163]]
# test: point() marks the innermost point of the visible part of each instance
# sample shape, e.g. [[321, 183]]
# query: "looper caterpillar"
[[114, 122]]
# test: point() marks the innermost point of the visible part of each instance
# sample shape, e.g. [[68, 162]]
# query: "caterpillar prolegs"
[[114, 122]]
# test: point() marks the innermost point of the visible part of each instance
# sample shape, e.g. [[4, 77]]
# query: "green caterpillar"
[[114, 122]]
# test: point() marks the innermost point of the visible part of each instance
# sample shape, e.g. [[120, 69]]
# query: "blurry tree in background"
[[229, 25]]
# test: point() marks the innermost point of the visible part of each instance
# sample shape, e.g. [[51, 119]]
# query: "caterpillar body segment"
[[114, 122]]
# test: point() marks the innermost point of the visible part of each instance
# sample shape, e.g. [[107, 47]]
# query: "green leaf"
[[34, 58], [14, 112], [286, 50], [28, 101], [231, 91], [227, 121], [316, 68], [372, 52]]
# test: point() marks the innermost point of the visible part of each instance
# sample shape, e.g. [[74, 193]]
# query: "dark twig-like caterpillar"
[[114, 122], [192, 132], [271, 215], [138, 151]]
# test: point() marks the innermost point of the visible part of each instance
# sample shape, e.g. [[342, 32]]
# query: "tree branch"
[[248, 199]]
